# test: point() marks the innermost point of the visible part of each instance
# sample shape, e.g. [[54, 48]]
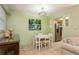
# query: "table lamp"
[[11, 30]]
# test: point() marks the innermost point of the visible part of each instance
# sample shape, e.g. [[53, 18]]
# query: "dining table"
[[42, 37]]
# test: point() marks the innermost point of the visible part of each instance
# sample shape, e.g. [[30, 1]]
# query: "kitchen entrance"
[[58, 29]]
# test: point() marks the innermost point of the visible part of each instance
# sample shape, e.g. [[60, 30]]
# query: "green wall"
[[19, 22], [73, 14]]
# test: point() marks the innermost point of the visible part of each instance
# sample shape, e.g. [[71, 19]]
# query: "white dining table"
[[40, 37]]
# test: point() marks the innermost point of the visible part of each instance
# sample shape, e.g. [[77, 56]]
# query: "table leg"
[[39, 44], [45, 42]]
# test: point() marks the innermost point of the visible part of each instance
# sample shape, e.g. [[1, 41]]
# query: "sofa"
[[70, 46]]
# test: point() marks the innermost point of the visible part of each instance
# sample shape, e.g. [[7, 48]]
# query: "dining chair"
[[47, 40], [37, 43], [50, 38]]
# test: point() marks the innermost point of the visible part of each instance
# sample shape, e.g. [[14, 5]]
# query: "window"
[[1, 25], [2, 19]]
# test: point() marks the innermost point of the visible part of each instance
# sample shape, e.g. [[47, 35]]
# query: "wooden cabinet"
[[10, 47]]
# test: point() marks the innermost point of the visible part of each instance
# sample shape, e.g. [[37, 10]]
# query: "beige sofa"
[[71, 46]]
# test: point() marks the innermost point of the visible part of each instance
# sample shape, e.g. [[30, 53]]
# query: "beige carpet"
[[55, 49]]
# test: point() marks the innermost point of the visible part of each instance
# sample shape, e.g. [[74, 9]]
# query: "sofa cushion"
[[71, 48]]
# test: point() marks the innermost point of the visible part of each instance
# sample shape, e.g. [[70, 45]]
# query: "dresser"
[[9, 47]]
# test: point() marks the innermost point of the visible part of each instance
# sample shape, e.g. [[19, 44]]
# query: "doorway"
[[58, 29]]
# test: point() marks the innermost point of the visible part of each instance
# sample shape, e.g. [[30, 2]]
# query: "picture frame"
[[34, 24]]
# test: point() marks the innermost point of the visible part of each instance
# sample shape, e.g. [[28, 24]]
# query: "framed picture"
[[34, 24]]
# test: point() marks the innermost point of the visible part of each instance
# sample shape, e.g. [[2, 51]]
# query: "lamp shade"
[[10, 29]]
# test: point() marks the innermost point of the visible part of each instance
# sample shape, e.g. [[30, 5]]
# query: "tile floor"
[[55, 49]]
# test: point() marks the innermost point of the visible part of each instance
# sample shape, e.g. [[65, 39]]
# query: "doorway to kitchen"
[[58, 29]]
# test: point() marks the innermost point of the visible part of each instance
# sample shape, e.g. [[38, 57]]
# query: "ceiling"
[[37, 7]]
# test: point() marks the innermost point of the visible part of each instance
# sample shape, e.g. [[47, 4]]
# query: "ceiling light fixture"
[[42, 12]]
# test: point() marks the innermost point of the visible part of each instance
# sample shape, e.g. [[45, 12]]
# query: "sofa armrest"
[[72, 48]]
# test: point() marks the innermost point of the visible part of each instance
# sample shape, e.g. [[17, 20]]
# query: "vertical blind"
[[1, 25], [2, 19]]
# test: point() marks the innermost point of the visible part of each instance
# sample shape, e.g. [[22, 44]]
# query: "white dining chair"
[[50, 38], [37, 42], [46, 41]]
